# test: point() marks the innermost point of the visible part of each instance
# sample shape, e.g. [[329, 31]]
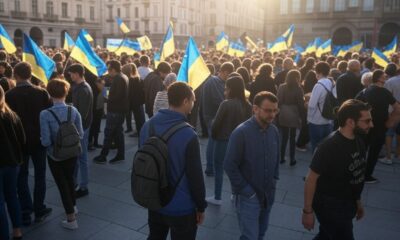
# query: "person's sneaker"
[[101, 159], [301, 149], [81, 192], [76, 211], [386, 161], [212, 200], [117, 160], [70, 225], [43, 215], [371, 180]]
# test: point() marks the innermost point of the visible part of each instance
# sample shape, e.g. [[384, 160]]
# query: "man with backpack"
[[172, 189]]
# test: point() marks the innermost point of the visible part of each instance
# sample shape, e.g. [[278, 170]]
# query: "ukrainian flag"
[[356, 46], [83, 53], [157, 58], [193, 70], [380, 58], [6, 42], [342, 51], [168, 46], [391, 48], [113, 44], [145, 43], [236, 49], [324, 48], [313, 46], [129, 47], [68, 42], [251, 44], [298, 48], [278, 45], [87, 35], [222, 42], [122, 26], [288, 35], [42, 65]]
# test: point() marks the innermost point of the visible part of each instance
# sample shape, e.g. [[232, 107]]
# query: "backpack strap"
[[324, 86], [55, 116], [172, 130]]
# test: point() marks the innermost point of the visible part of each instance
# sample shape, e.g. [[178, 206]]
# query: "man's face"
[[267, 112], [364, 124], [74, 76]]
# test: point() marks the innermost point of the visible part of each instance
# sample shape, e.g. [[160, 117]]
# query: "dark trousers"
[[375, 141], [95, 127], [38, 156], [63, 173], [335, 218], [288, 134], [114, 132], [182, 227], [304, 136], [138, 115]]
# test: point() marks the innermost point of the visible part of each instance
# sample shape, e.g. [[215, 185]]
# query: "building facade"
[[45, 21], [375, 22]]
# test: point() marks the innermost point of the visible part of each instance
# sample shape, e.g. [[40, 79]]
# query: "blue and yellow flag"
[[324, 48], [87, 35], [122, 26], [145, 43], [288, 35], [222, 42], [236, 49], [129, 47], [313, 46], [380, 58], [157, 58], [278, 45], [193, 70], [42, 65], [251, 44], [298, 48], [390, 48], [83, 53], [6, 42], [113, 44], [356, 46], [168, 45], [68, 42]]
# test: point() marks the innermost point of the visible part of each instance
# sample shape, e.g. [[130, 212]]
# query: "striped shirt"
[[161, 101]]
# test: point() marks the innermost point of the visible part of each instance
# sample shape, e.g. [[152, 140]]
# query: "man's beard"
[[359, 131]]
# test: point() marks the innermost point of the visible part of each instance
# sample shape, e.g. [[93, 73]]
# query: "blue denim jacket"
[[252, 161], [49, 125]]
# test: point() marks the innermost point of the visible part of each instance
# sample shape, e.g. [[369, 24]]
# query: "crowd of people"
[[341, 109]]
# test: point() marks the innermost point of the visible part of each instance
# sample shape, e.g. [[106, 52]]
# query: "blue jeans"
[[114, 132], [318, 133], [38, 157], [8, 194], [253, 220], [210, 150], [82, 164], [218, 157]]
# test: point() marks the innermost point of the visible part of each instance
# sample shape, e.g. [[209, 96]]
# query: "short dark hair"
[[178, 92], [261, 96], [376, 75], [23, 70], [351, 109], [58, 88], [114, 64], [391, 70], [164, 67], [369, 63], [77, 68], [322, 68], [3, 55], [227, 67], [144, 60]]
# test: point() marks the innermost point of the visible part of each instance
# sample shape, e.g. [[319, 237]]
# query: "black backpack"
[[68, 143], [149, 179], [331, 104]]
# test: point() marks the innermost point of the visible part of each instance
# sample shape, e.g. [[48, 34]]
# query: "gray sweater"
[[82, 99]]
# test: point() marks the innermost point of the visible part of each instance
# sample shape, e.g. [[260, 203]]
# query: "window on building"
[[213, 19], [155, 27], [284, 7], [119, 12], [353, 3], [64, 10], [137, 25], [49, 8], [295, 6], [79, 11], [35, 7], [110, 13], [368, 5], [172, 12], [136, 12], [127, 10], [324, 6], [155, 10], [310, 6], [91, 13], [17, 5], [1, 5], [340, 5]]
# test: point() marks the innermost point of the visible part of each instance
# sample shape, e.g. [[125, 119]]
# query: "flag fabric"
[[6, 42], [87, 35], [297, 58], [168, 45], [356, 46], [236, 49], [129, 47], [311, 48], [251, 44], [380, 58], [391, 47], [288, 35], [122, 26], [342, 51], [145, 43], [298, 48], [278, 45], [42, 65], [194, 70], [68, 42], [113, 44], [83, 53], [324, 48], [222, 42], [157, 58]]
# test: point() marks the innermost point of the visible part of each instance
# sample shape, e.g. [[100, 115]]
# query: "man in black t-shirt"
[[336, 177]]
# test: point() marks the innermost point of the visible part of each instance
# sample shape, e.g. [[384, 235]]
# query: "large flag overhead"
[[288, 35], [87, 35], [222, 42], [42, 65], [113, 44], [6, 42], [236, 49], [380, 58], [391, 47], [193, 70], [145, 43], [122, 26], [298, 48], [68, 42], [83, 53], [324, 48], [278, 45], [168, 45], [128, 47]]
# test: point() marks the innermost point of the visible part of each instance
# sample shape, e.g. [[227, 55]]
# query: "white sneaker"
[[76, 210], [214, 201], [386, 161], [70, 225]]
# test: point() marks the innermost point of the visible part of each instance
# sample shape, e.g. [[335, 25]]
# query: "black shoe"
[[292, 163], [101, 159], [134, 135], [128, 130], [371, 180], [81, 192], [43, 215], [117, 160]]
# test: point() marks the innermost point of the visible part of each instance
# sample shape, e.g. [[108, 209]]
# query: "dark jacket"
[[153, 83], [82, 99], [118, 95], [12, 139], [184, 155], [136, 92], [348, 85], [280, 77], [262, 84], [213, 95], [291, 103], [27, 101], [231, 113]]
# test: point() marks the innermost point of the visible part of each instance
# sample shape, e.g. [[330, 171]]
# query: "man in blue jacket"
[[252, 165], [186, 209]]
